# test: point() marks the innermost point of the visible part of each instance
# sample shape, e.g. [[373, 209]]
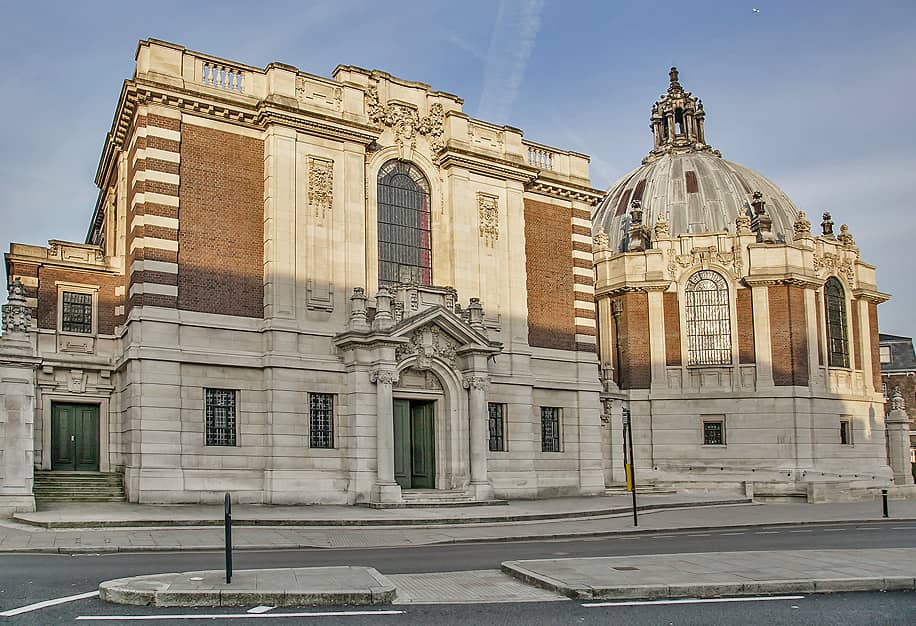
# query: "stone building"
[[301, 289], [744, 345]]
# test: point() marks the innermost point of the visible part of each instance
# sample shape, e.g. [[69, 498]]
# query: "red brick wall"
[[875, 348], [221, 231], [788, 335], [47, 295], [634, 371], [745, 314], [548, 250], [672, 329]]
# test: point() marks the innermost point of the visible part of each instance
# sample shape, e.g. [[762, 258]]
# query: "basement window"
[[846, 432], [714, 432]]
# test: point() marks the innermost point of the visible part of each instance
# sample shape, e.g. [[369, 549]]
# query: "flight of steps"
[[621, 490], [79, 487], [431, 498]]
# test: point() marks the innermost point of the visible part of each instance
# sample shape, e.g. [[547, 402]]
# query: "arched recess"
[[836, 323], [441, 267], [708, 319], [451, 421]]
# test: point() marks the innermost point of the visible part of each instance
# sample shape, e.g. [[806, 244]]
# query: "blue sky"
[[818, 96]]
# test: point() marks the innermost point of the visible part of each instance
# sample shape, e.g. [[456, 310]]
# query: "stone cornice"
[[566, 191], [621, 288], [869, 295], [454, 157], [796, 280]]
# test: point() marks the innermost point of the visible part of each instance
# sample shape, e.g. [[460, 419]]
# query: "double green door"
[[75, 437], [414, 444]]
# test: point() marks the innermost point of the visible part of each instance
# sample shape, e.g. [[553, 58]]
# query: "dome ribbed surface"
[[697, 192]]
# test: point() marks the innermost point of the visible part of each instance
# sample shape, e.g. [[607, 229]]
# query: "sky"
[[817, 95]]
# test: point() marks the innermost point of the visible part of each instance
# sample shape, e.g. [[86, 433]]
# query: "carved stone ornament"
[[476, 382], [383, 375], [321, 185], [661, 227], [897, 402], [801, 227], [743, 224], [827, 225], [17, 317], [317, 93], [427, 343], [488, 210], [829, 262], [704, 255], [601, 242], [845, 237], [406, 122]]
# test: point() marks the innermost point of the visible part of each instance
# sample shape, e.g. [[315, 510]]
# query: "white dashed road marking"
[[47, 603], [261, 609], [177, 616]]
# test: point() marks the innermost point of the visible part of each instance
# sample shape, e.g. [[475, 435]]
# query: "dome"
[[686, 182]]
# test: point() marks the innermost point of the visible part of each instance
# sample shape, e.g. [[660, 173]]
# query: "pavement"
[[120, 527], [542, 519]]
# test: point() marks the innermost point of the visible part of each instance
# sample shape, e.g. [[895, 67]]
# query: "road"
[[26, 579]]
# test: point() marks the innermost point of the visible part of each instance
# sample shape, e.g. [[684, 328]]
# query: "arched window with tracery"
[[837, 333], [404, 242], [709, 337]]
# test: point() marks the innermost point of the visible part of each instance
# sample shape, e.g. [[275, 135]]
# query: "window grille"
[[321, 420], [497, 424], [404, 241], [76, 316], [837, 335], [709, 337], [714, 433], [550, 429], [220, 413]]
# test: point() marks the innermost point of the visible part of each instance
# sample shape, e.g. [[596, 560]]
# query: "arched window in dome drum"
[[709, 337], [404, 241], [837, 334]]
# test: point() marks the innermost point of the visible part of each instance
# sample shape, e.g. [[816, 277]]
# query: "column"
[[865, 346], [657, 356], [897, 423], [762, 345], [478, 418], [386, 487]]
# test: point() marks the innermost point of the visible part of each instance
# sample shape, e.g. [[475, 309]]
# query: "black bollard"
[[228, 523], [884, 500]]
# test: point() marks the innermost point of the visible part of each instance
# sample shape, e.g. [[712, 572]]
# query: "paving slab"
[[712, 574], [304, 586]]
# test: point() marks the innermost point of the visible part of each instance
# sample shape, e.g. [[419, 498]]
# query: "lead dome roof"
[[687, 181]]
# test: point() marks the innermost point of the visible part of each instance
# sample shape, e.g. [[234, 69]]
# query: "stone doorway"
[[415, 443], [74, 437]]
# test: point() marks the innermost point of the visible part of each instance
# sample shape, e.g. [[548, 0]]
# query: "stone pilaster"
[[477, 387], [386, 489]]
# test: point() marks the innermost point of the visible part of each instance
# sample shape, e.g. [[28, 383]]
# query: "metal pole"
[[228, 524], [884, 500], [632, 472]]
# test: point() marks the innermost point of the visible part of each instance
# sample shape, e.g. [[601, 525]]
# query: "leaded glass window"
[[76, 316], [709, 337], [837, 335], [497, 425], [550, 429], [220, 416], [404, 242], [321, 420]]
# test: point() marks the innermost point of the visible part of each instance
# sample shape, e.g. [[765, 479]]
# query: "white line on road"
[[261, 609], [834, 530], [175, 616], [801, 531], [700, 535], [767, 532], [730, 534], [691, 601], [47, 603], [903, 527]]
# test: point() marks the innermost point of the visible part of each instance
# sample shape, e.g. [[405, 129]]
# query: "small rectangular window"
[[76, 313], [885, 354], [497, 423], [550, 429], [321, 420], [220, 416], [714, 432], [845, 432]]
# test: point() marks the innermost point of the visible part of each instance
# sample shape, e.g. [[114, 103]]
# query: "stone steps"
[[78, 487], [621, 490]]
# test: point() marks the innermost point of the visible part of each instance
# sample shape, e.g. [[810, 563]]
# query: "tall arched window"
[[404, 249], [709, 337], [835, 313]]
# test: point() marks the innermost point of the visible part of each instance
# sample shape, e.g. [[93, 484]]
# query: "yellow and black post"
[[629, 459]]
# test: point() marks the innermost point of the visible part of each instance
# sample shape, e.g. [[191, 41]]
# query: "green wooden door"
[[423, 446], [75, 437], [402, 443]]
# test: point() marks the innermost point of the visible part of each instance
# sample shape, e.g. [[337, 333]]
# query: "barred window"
[[550, 429], [709, 337], [497, 423], [220, 414], [835, 312], [404, 244], [714, 432], [76, 313], [321, 420]]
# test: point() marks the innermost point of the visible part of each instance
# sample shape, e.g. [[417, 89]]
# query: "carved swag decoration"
[[488, 209], [406, 122], [321, 185], [428, 343], [706, 254]]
